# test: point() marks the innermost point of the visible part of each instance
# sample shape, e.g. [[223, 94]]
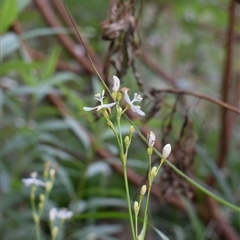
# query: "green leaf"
[[18, 66], [197, 225], [8, 14], [160, 234], [9, 44], [50, 65]]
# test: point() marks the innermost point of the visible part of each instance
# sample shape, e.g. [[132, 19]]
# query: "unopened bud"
[[109, 123], [151, 139], [136, 207], [42, 197], [127, 141], [48, 186], [166, 150], [153, 173], [119, 96], [52, 173], [54, 232], [131, 129], [150, 151], [143, 190]]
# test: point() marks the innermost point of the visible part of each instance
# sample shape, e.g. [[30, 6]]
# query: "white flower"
[[33, 181], [53, 214], [137, 98], [100, 98], [166, 150], [151, 139], [61, 214], [64, 214], [116, 84]]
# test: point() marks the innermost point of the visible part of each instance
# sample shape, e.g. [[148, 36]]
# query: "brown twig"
[[155, 67], [223, 227], [225, 134], [224, 105], [63, 14], [67, 42]]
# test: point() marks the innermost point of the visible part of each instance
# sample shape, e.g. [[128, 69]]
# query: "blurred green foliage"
[[186, 38]]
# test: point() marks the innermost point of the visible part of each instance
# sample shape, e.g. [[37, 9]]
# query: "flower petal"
[[90, 108], [127, 98], [64, 214], [137, 109], [116, 84], [33, 181], [53, 214]]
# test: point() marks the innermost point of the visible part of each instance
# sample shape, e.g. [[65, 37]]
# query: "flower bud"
[[127, 141], [110, 124], [151, 139], [42, 197], [136, 207], [116, 84], [143, 190], [131, 129], [48, 186], [52, 173], [54, 232], [153, 173], [150, 151], [119, 96], [166, 150]]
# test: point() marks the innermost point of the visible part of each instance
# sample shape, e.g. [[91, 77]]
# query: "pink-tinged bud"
[[166, 150], [151, 139]]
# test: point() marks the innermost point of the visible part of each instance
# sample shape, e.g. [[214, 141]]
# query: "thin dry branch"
[[66, 41], [224, 105]]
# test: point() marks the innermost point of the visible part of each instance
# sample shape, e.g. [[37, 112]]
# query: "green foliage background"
[[187, 39]]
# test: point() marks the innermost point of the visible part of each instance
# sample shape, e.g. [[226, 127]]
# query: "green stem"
[[128, 198], [149, 186], [206, 191], [136, 226], [36, 216], [147, 201], [123, 158]]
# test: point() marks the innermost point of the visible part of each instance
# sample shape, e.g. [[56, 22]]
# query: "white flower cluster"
[[33, 181], [116, 86], [61, 214]]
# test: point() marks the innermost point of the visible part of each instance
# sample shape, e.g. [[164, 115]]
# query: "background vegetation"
[[183, 56]]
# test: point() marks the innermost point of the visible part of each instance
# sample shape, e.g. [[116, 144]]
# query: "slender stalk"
[[123, 158], [147, 201], [206, 191], [36, 217], [136, 226], [128, 198]]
